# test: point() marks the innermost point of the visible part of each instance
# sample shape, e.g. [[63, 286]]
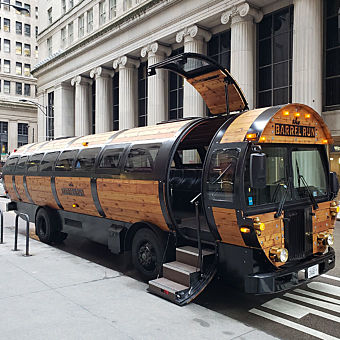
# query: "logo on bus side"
[[294, 130], [72, 192]]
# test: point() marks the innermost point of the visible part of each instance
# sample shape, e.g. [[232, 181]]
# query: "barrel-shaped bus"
[[247, 195]]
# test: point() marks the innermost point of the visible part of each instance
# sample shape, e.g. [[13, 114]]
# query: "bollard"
[[26, 218], [1, 227]]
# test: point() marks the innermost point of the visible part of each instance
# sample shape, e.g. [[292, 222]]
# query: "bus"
[[243, 194]]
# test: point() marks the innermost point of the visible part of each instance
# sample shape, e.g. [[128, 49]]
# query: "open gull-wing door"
[[218, 88]]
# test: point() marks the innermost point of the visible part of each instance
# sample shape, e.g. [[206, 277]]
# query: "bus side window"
[[33, 162], [86, 159], [10, 165], [21, 165], [65, 161], [141, 158], [48, 161], [111, 158]]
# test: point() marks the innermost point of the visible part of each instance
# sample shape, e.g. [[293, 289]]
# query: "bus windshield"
[[299, 168]]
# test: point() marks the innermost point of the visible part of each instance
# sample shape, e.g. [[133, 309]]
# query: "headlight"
[[278, 254], [330, 240], [326, 238]]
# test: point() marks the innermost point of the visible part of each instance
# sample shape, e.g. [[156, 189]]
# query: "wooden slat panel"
[[227, 226], [55, 145], [19, 183], [9, 187], [131, 200], [238, 129], [82, 185], [40, 191], [92, 140]]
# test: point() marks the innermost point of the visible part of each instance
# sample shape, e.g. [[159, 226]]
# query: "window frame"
[[54, 162], [113, 171], [37, 165], [66, 172], [83, 170]]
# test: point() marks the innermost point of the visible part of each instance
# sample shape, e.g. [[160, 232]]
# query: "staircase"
[[182, 279]]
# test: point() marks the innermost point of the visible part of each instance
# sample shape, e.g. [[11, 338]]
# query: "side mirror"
[[334, 184], [258, 170]]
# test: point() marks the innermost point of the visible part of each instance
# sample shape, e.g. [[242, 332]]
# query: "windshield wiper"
[[283, 199], [300, 177]]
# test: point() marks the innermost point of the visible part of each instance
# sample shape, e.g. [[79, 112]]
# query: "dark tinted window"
[[86, 159], [141, 158], [10, 164], [111, 158], [21, 166], [65, 160], [34, 161], [48, 161]]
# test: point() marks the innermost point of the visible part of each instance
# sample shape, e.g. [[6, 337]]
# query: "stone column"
[[157, 84], [194, 39], [307, 53], [127, 91], [12, 135], [103, 119], [82, 108], [243, 53], [41, 119], [63, 111]]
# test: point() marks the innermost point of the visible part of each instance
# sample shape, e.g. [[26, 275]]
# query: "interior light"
[[245, 230], [307, 115], [297, 114], [286, 113], [331, 159]]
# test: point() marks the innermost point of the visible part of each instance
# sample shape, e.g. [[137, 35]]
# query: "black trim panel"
[[26, 190], [54, 192], [95, 197], [15, 188]]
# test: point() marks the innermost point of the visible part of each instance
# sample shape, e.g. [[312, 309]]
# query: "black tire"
[[147, 253], [47, 226]]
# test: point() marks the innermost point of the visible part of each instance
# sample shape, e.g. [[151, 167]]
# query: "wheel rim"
[[42, 226], [147, 256]]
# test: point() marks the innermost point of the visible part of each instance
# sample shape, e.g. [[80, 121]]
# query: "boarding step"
[[182, 279], [166, 288], [189, 255]]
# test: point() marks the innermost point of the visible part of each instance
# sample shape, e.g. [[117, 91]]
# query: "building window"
[[81, 28], [36, 32], [18, 88], [36, 13], [6, 7], [49, 15], [102, 13], [22, 134], [7, 25], [70, 4], [112, 9], [18, 69], [28, 7], [70, 33], [332, 54], [18, 3], [176, 92], [27, 50], [49, 46], [219, 48], [93, 108], [275, 42], [63, 6], [3, 137], [7, 45], [7, 87], [127, 4], [90, 21], [36, 52], [50, 117], [7, 66], [18, 48], [27, 70], [63, 37], [18, 27], [115, 88], [27, 28], [27, 90], [142, 94]]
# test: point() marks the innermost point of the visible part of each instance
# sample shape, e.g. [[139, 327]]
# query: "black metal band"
[[26, 190], [15, 188], [54, 192], [161, 195], [95, 197]]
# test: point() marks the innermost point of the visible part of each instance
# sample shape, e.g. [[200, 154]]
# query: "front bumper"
[[280, 280]]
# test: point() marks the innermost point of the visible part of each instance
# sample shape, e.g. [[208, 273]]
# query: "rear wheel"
[[147, 253], [48, 227]]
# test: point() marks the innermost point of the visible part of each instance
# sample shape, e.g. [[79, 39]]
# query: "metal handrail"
[[195, 201], [26, 218], [1, 227]]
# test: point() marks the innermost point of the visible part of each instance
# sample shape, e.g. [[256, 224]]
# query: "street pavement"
[[79, 290]]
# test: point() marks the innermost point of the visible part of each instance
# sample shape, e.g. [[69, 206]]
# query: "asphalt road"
[[311, 311]]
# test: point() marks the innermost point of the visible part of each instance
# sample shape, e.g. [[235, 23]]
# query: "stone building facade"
[[94, 55], [18, 54]]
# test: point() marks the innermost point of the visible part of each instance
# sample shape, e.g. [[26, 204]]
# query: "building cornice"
[[244, 11]]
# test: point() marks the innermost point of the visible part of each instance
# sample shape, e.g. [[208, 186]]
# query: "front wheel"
[[147, 253]]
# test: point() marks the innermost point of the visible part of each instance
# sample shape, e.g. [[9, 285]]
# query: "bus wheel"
[[46, 226], [147, 253]]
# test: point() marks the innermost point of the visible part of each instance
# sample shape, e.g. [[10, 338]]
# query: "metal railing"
[[26, 218], [195, 201], [1, 227]]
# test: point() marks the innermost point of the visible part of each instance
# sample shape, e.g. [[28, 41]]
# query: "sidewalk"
[[56, 295]]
